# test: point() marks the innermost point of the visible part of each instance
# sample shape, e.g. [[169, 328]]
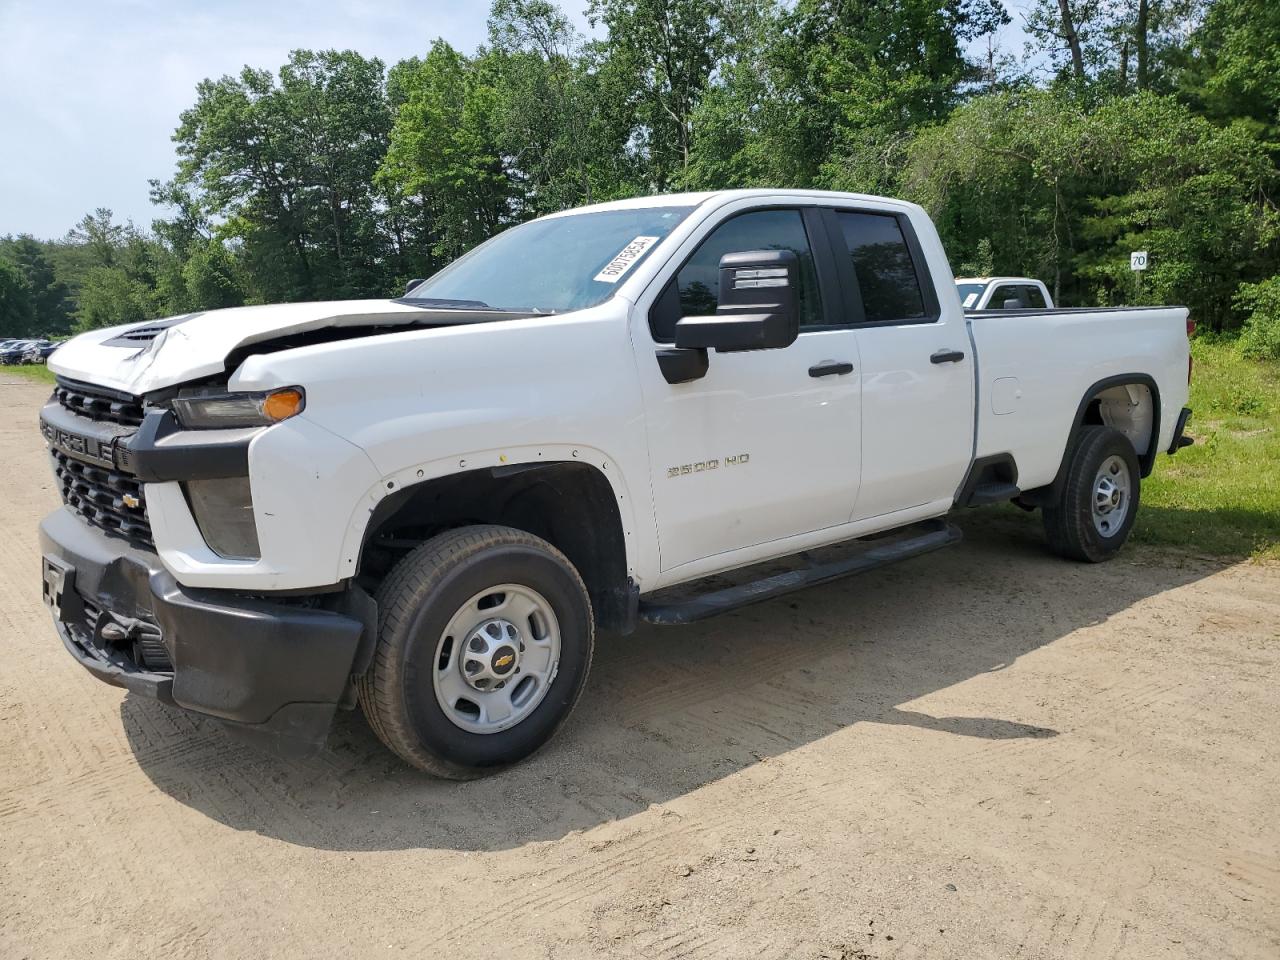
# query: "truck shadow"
[[670, 710]]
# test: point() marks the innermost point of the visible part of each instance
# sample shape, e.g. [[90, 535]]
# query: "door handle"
[[828, 367], [947, 356]]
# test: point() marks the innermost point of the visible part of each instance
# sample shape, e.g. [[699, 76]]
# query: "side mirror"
[[1013, 303], [757, 309], [408, 287]]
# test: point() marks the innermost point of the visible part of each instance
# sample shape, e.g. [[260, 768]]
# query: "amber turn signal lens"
[[282, 404]]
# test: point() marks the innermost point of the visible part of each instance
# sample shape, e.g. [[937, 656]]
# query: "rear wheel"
[[1095, 512], [485, 642]]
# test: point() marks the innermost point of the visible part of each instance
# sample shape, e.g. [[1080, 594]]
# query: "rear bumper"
[[272, 670], [1180, 439]]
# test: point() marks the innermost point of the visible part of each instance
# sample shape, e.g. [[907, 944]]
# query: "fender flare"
[[508, 459], [1146, 460]]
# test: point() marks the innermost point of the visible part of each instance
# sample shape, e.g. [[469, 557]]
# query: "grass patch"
[[32, 371], [1222, 495]]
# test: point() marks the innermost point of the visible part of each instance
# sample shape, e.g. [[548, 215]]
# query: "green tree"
[[564, 119], [1231, 68], [831, 92], [1194, 195], [1119, 46], [667, 52], [118, 272], [1066, 193], [17, 311], [444, 156], [50, 296], [1260, 302], [287, 163]]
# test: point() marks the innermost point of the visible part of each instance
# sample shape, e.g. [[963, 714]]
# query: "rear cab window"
[[1004, 294], [887, 270]]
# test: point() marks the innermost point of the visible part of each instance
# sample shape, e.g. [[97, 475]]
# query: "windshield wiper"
[[442, 303], [438, 302]]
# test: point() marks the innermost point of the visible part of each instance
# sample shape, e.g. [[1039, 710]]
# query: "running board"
[[926, 537], [992, 492]]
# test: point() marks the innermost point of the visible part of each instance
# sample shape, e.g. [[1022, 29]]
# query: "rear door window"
[[882, 262]]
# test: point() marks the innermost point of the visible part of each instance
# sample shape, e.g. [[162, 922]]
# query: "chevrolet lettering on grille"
[[74, 445]]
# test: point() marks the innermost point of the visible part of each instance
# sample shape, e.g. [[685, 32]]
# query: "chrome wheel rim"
[[496, 659], [1111, 496]]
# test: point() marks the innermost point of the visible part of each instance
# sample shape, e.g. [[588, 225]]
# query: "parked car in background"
[[25, 351], [1003, 293], [13, 351]]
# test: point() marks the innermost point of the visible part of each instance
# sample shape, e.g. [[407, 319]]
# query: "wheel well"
[[1129, 403], [1129, 408], [570, 505]]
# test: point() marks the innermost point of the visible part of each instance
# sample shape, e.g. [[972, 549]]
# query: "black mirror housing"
[[758, 309], [408, 287]]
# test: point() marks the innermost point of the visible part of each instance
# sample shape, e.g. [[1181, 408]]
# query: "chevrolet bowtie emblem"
[[130, 501]]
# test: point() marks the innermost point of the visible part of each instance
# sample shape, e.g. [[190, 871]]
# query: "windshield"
[[554, 265], [969, 293]]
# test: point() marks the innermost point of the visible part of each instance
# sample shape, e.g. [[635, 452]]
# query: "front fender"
[[531, 455]]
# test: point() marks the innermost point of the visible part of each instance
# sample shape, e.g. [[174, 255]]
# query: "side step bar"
[[926, 537]]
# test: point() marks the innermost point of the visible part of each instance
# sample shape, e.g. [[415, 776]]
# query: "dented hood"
[[141, 357]]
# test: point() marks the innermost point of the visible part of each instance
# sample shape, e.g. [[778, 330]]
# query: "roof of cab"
[[997, 280], [695, 199]]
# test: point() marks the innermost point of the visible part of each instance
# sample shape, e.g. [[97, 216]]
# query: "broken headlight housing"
[[206, 410]]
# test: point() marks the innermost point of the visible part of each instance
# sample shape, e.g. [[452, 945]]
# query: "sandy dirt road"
[[985, 753]]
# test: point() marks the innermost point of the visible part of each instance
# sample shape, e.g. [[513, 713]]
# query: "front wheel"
[[484, 644], [1094, 514]]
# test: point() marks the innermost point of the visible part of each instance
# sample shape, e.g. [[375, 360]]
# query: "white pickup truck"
[[428, 505], [1003, 293]]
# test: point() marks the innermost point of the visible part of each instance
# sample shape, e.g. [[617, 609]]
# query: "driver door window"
[[698, 281]]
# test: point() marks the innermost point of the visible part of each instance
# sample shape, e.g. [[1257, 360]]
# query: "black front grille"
[[108, 499], [98, 403]]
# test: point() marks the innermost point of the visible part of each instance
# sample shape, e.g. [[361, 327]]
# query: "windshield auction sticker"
[[616, 268]]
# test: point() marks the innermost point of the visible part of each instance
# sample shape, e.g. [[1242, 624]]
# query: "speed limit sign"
[[1138, 260]]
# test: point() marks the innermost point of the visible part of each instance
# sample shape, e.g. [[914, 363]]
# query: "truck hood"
[[141, 357]]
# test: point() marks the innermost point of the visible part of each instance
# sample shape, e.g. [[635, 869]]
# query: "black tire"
[[1069, 522], [415, 605]]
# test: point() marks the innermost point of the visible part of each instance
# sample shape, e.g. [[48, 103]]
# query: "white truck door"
[[764, 445], [917, 366]]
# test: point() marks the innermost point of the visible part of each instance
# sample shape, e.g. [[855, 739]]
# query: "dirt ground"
[[984, 753]]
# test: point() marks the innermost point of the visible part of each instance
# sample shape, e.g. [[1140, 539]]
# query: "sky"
[[90, 90]]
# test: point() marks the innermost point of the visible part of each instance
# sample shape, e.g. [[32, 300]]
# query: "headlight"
[[210, 410]]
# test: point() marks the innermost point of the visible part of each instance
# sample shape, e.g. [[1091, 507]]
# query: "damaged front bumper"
[[272, 669]]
